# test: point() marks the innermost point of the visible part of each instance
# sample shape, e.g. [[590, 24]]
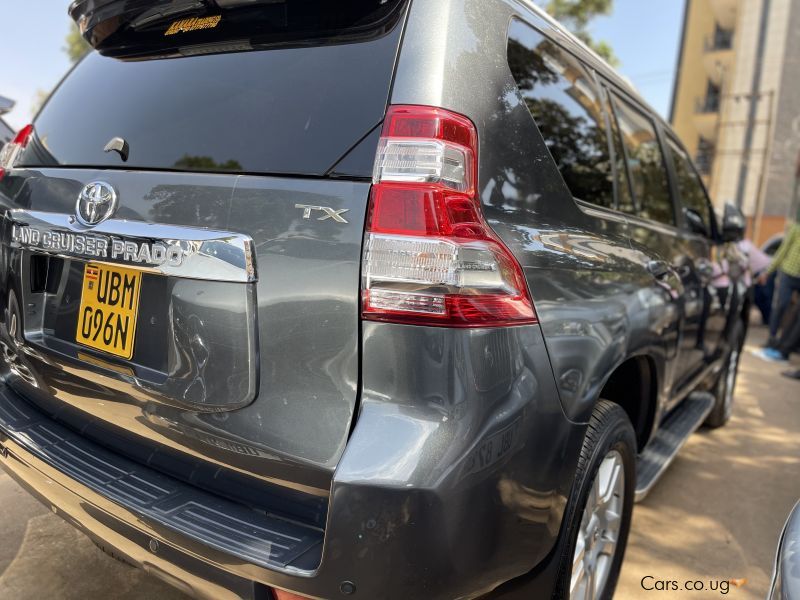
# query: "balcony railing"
[[709, 104]]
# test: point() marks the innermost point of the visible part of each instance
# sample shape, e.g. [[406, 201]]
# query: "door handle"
[[705, 268], [658, 268]]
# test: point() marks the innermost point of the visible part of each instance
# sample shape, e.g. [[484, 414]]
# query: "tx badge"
[[328, 212], [96, 203]]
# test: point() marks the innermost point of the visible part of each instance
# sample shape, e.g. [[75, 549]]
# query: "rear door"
[[230, 189], [698, 227], [661, 232], [654, 226]]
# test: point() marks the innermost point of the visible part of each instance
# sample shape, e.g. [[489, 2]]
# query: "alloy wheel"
[[598, 535]]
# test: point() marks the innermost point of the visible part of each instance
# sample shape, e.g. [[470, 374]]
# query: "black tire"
[[726, 381], [609, 429]]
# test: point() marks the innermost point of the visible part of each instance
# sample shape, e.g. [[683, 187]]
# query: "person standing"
[[787, 263], [757, 263]]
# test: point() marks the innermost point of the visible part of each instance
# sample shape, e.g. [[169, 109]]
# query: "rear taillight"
[[10, 152], [430, 258]]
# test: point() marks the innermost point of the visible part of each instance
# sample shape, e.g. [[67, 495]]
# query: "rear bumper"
[[157, 551], [421, 505], [77, 480]]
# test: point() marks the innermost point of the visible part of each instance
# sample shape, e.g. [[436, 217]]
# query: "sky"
[[31, 41], [643, 33]]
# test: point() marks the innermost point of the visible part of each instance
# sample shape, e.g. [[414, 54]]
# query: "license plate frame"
[[109, 309]]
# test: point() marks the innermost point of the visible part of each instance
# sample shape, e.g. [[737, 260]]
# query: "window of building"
[[704, 159], [711, 102], [690, 188], [722, 39], [645, 162], [566, 105]]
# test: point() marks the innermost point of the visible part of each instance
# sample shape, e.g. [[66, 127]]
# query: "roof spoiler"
[[136, 29], [6, 105]]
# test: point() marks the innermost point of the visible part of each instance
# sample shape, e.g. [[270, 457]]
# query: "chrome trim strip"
[[186, 252]]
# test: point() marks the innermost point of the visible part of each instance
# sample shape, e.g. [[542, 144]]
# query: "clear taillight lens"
[[414, 161], [429, 256], [10, 152]]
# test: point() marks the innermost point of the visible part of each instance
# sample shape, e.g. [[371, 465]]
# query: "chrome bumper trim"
[[186, 252]]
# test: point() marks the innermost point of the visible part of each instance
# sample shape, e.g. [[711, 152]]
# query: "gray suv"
[[383, 299]]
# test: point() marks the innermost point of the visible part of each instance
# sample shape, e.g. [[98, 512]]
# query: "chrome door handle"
[[658, 268], [705, 268]]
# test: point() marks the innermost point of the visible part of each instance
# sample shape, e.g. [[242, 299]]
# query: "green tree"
[[576, 15], [76, 47], [38, 101]]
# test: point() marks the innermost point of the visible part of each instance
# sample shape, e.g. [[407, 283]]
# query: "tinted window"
[[625, 201], [690, 187], [645, 163], [273, 111], [566, 105]]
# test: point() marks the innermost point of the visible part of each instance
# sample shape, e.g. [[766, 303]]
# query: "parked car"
[[383, 299], [785, 583], [6, 132], [771, 246]]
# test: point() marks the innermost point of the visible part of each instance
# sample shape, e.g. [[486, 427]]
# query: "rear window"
[[566, 105], [288, 110]]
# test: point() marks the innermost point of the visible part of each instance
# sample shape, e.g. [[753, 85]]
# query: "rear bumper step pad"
[[262, 539]]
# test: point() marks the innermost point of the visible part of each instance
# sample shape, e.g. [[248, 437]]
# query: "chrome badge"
[[328, 212], [96, 203]]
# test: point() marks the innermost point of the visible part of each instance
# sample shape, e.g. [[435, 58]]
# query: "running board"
[[669, 439]]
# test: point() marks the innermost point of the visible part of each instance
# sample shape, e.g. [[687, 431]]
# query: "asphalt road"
[[714, 517]]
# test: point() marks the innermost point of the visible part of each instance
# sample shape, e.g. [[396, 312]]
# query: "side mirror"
[[695, 222], [733, 224]]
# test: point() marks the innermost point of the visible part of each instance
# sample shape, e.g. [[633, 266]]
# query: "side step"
[[669, 439]]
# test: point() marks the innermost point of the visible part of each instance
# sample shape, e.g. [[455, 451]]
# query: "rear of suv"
[[403, 298]]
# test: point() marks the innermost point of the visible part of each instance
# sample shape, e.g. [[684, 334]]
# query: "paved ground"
[[715, 515]]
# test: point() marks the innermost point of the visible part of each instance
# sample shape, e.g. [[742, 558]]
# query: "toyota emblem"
[[96, 203]]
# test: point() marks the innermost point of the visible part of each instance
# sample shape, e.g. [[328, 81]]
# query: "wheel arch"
[[634, 386]]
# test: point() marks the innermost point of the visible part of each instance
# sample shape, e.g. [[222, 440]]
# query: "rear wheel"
[[726, 383], [600, 507]]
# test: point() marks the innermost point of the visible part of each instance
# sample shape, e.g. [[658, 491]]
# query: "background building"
[[736, 104]]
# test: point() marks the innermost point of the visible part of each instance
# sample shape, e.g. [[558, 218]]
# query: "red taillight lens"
[[429, 256], [10, 152]]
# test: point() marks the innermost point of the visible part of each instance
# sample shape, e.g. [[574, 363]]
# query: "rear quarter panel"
[[597, 304]]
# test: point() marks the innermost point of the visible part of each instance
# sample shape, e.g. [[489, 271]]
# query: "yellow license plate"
[[109, 306]]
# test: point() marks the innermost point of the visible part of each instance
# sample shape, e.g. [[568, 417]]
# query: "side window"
[[625, 201], [567, 108], [690, 188], [646, 166]]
